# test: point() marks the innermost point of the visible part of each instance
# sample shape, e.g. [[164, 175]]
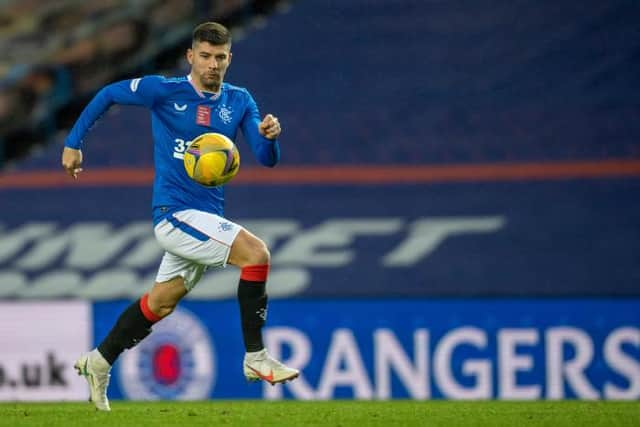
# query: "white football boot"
[[261, 366], [95, 370]]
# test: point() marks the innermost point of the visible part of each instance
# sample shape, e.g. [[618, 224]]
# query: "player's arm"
[[143, 91], [262, 134]]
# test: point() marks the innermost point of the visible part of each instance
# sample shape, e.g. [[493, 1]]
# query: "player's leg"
[[176, 276], [221, 242], [133, 325], [215, 241], [252, 256]]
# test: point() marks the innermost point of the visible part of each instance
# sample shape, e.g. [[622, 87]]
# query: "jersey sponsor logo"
[[203, 115], [86, 259], [224, 112], [177, 361], [134, 84], [179, 108]]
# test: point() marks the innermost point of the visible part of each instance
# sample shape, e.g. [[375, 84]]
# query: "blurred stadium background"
[[456, 214]]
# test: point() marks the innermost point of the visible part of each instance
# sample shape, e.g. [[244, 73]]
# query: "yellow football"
[[212, 159]]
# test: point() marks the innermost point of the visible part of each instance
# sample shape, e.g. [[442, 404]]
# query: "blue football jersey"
[[180, 113]]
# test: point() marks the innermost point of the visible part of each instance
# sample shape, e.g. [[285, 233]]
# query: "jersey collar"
[[199, 92]]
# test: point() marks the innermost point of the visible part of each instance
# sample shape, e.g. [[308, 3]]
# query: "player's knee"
[[256, 254], [162, 308], [261, 254], [166, 310], [249, 250], [164, 297]]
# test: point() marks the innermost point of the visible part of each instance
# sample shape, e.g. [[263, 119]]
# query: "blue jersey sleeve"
[[267, 151], [142, 91]]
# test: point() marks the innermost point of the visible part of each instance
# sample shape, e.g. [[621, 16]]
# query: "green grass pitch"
[[332, 413]]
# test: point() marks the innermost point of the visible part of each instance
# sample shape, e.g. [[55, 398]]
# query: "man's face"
[[209, 63]]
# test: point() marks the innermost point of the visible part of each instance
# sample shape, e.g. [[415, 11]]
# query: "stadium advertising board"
[[533, 239], [385, 349], [39, 341], [99, 261]]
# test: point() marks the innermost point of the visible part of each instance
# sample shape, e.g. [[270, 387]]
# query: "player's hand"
[[270, 127], [71, 161]]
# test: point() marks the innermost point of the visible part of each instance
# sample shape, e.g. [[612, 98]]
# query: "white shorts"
[[193, 240]]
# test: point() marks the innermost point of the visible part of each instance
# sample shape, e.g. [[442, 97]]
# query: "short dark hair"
[[211, 32]]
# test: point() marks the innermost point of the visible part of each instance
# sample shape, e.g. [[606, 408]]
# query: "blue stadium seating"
[[364, 81], [450, 81]]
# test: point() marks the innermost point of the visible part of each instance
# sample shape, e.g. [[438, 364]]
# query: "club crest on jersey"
[[224, 226], [203, 115], [224, 112]]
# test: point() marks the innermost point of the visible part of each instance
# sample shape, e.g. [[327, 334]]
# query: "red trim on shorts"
[[146, 311], [255, 273]]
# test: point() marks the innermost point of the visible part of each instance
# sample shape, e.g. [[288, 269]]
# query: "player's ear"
[[190, 56], [230, 55]]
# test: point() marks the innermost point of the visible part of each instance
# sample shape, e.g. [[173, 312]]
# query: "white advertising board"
[[39, 342]]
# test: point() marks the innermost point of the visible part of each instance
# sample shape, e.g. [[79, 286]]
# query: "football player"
[[188, 218]]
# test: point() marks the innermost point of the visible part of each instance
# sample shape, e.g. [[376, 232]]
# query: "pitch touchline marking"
[[345, 174]]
